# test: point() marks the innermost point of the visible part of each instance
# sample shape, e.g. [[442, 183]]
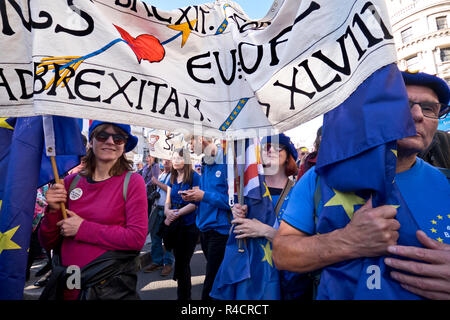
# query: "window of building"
[[406, 35], [441, 22], [412, 64], [445, 54]]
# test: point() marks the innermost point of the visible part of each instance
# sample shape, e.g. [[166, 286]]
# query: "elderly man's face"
[[425, 127]]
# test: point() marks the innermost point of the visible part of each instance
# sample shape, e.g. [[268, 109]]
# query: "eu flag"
[[23, 168], [357, 158], [250, 275]]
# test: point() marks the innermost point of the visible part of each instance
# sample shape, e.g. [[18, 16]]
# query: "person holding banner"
[[278, 156], [181, 233], [107, 220], [419, 267], [214, 214]]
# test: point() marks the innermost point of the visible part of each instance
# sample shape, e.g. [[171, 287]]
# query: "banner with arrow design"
[[204, 65]]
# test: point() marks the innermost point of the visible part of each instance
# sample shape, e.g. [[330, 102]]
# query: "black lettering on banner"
[[121, 89], [82, 14], [316, 84], [345, 69], [141, 92], [233, 73], [203, 11], [173, 98], [5, 84], [258, 57], [274, 42], [293, 89], [155, 95], [373, 10], [80, 82], [7, 30], [155, 13], [191, 66], [39, 77], [23, 82], [361, 52], [52, 91], [127, 4], [196, 106], [184, 16]]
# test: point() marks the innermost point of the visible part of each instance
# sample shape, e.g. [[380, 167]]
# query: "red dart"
[[145, 46]]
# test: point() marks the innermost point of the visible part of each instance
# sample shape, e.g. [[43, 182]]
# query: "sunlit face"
[[196, 145], [273, 157], [167, 164], [425, 127], [177, 161], [108, 151]]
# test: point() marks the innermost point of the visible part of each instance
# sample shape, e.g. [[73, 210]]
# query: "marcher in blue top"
[[214, 214], [373, 232], [278, 156], [182, 213]]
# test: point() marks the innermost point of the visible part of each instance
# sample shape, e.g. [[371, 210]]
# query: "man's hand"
[[372, 230], [192, 195], [430, 274], [69, 227]]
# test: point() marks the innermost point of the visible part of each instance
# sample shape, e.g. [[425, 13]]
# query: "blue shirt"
[[425, 190], [177, 200], [214, 212]]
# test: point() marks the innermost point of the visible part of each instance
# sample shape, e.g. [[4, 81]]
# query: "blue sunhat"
[[131, 141], [439, 86], [283, 140]]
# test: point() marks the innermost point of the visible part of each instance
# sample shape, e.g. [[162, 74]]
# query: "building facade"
[[422, 35]]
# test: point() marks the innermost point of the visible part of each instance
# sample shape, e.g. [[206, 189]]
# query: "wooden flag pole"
[[57, 180]]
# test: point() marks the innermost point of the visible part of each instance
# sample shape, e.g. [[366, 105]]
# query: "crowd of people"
[[111, 210]]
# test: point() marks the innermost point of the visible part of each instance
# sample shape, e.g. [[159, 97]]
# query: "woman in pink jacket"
[[104, 218]]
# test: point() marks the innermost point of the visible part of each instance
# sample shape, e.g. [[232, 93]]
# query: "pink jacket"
[[109, 223]]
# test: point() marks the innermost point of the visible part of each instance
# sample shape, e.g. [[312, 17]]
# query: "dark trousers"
[[183, 251], [213, 246]]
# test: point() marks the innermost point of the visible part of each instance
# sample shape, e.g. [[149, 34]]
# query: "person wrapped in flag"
[[257, 222], [107, 219], [375, 222]]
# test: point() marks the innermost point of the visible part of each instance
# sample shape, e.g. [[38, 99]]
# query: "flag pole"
[[57, 180], [50, 150], [240, 190]]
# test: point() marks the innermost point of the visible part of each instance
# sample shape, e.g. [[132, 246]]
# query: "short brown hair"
[[120, 166]]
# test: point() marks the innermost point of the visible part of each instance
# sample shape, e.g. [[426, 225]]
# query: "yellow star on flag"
[[267, 253], [5, 240], [440, 217], [267, 193], [346, 200], [433, 221], [395, 152], [4, 124], [440, 239], [433, 230], [448, 216], [185, 28]]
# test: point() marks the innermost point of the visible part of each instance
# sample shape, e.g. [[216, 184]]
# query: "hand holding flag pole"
[[50, 149]]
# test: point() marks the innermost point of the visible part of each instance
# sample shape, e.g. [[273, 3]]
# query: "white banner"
[[161, 144], [206, 66]]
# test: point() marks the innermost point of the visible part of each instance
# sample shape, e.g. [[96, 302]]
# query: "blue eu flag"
[[23, 168], [250, 275], [357, 159]]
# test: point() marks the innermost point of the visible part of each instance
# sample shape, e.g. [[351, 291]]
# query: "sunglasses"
[[432, 110], [118, 138], [275, 146]]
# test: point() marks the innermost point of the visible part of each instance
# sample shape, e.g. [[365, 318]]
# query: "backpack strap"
[[74, 183], [284, 193], [125, 185]]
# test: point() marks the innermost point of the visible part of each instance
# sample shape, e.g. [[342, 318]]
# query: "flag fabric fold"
[[357, 159], [23, 168], [250, 275]]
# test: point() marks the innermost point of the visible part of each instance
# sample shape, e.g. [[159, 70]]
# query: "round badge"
[[218, 174], [76, 194]]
